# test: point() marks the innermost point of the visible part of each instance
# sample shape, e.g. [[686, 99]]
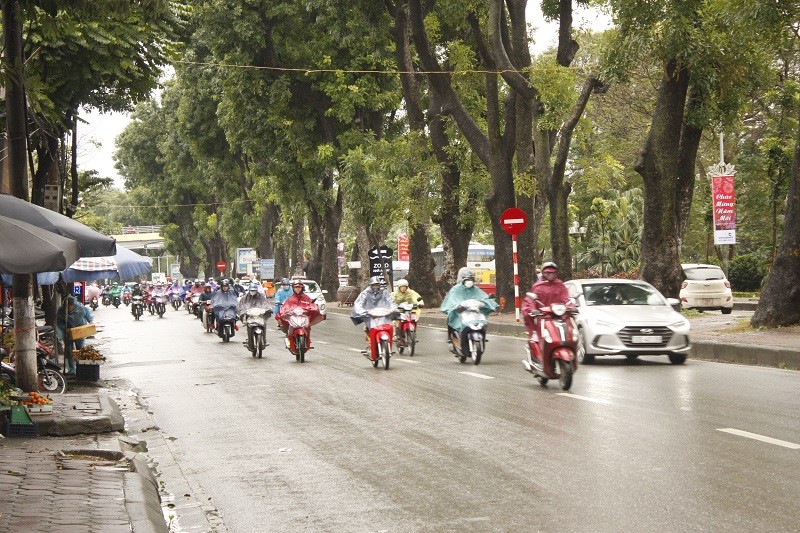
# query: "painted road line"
[[584, 398], [473, 374], [397, 358], [359, 350], [762, 438]]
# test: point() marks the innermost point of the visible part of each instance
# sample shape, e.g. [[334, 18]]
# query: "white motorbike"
[[255, 319]]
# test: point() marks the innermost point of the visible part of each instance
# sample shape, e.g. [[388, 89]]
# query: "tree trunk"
[[270, 219], [24, 325], [779, 304], [420, 266], [659, 164]]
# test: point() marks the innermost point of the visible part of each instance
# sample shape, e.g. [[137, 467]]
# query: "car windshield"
[[311, 286], [703, 273], [621, 294]]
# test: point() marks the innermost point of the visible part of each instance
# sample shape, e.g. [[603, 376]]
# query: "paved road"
[[434, 445]]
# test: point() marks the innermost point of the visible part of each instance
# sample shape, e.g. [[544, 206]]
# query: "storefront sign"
[[402, 248]]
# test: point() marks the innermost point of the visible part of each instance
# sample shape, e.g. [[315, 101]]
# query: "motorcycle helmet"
[[375, 284], [252, 288], [402, 283], [465, 273], [225, 283], [300, 284], [207, 287], [549, 267], [285, 282]]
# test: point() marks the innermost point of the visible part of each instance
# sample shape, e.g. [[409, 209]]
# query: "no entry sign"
[[513, 221], [221, 266]]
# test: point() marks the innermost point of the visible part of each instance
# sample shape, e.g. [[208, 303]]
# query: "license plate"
[[646, 339], [707, 301]]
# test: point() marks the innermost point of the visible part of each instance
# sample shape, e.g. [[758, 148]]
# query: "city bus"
[[480, 259]]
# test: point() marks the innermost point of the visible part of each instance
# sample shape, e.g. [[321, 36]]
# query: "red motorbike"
[[407, 328], [296, 319], [553, 342], [380, 332]]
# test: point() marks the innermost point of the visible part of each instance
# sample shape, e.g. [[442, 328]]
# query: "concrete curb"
[[142, 500], [772, 356]]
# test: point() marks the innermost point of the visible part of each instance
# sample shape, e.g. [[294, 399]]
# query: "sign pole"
[[513, 222], [516, 276]]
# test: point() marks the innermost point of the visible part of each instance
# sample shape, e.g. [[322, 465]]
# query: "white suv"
[[705, 287]]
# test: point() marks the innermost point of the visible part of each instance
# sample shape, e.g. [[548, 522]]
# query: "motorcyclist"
[[464, 289], [374, 296], [281, 295], [405, 295], [252, 298], [223, 302], [299, 299], [549, 290], [197, 288], [115, 292]]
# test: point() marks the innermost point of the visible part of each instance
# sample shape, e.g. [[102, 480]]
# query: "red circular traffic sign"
[[221, 266], [513, 221]]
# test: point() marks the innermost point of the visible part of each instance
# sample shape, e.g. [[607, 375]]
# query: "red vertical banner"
[[402, 248], [723, 204]]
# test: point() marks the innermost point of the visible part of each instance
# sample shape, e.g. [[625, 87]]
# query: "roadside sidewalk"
[[715, 337], [91, 470], [85, 478]]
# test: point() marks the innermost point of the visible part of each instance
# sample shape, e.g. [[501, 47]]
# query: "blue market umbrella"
[[27, 249], [92, 243], [125, 264]]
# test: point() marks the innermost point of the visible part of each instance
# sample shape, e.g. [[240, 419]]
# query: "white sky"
[[96, 140]]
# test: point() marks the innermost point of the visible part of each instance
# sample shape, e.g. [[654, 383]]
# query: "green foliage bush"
[[746, 272]]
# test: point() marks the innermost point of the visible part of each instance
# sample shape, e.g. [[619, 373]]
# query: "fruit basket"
[[38, 403], [88, 355]]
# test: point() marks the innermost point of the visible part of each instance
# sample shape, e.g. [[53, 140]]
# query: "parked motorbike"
[[137, 306], [470, 341], [406, 333], [380, 332], [552, 344], [255, 319], [49, 376], [160, 304]]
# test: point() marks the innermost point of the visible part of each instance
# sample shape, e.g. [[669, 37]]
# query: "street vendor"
[[71, 314]]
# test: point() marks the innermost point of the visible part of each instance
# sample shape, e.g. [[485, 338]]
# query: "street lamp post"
[[577, 231]]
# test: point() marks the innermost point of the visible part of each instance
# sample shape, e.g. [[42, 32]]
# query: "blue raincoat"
[[457, 294]]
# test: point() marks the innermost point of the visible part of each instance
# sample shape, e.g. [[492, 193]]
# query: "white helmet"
[[402, 283]]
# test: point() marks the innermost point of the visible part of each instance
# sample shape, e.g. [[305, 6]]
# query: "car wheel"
[[726, 310], [677, 359], [583, 357]]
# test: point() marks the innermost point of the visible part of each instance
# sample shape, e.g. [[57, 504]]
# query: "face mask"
[[469, 283]]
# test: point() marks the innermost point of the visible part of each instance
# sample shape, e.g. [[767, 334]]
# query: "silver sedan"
[[627, 317]]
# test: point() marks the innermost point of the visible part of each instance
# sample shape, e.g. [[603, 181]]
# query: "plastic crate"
[[19, 430], [87, 372]]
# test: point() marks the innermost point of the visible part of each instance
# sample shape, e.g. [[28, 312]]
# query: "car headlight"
[[680, 324]]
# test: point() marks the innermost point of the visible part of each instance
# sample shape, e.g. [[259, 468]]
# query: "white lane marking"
[[762, 438], [397, 358], [584, 398], [355, 350], [473, 374]]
